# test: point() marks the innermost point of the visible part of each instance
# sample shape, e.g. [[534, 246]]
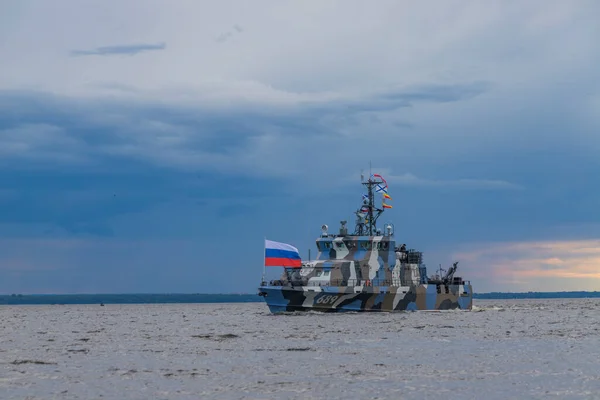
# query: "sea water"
[[516, 349]]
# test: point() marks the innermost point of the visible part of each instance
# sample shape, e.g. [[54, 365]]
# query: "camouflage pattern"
[[363, 273]]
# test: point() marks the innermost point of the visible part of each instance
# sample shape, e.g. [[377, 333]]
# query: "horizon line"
[[241, 293]]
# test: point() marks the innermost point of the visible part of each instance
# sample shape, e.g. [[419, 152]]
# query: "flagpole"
[[264, 255]]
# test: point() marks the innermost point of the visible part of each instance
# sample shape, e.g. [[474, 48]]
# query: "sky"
[[150, 146]]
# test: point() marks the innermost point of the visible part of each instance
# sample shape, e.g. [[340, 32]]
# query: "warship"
[[361, 271]]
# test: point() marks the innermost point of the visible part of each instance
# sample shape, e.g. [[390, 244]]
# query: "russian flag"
[[281, 255]]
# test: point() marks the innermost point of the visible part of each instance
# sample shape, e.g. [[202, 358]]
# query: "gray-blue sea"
[[503, 349]]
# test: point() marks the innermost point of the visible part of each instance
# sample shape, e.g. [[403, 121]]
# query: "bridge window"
[[323, 246], [382, 245], [339, 245]]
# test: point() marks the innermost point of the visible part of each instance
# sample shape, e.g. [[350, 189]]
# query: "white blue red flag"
[[281, 255]]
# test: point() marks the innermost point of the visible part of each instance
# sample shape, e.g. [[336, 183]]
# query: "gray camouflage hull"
[[386, 299]]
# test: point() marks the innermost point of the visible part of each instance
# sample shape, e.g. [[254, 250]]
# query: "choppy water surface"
[[503, 349]]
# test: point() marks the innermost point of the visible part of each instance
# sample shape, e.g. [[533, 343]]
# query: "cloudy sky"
[[151, 145]]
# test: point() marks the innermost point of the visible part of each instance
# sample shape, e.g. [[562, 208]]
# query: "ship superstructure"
[[361, 271]]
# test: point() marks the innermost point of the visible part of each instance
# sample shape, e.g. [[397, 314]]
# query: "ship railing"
[[358, 282], [339, 282], [344, 282]]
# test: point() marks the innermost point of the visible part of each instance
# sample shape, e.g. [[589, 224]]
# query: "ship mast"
[[369, 207]]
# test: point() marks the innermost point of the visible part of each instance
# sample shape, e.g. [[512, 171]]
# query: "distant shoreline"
[[175, 298]]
